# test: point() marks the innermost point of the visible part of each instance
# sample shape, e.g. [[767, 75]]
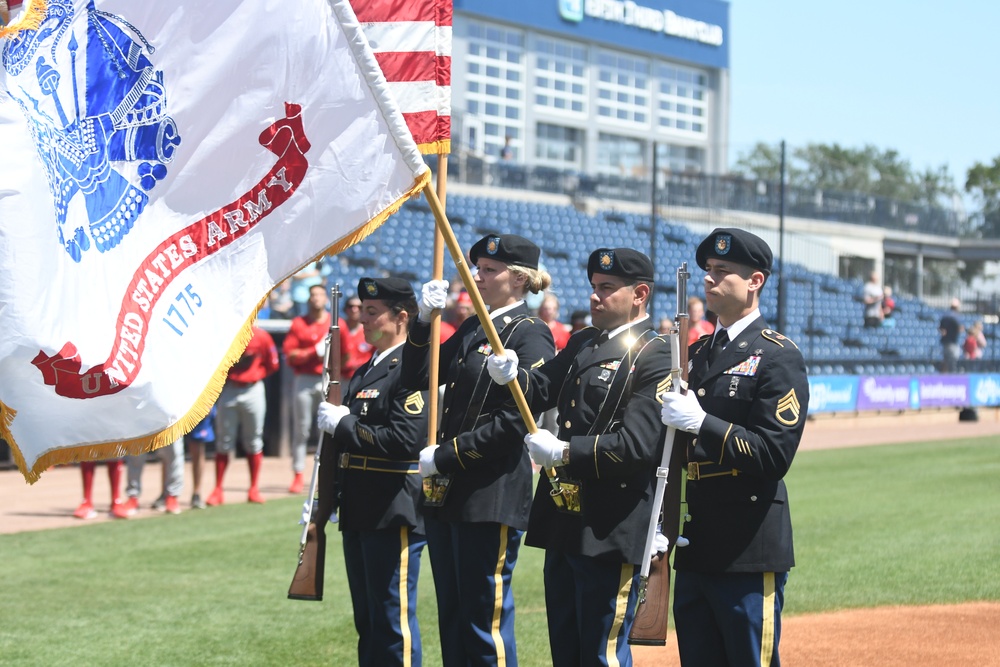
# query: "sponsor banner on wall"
[[984, 389], [940, 391], [884, 393], [833, 393]]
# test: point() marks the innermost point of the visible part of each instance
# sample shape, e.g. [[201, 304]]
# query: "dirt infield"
[[942, 636]]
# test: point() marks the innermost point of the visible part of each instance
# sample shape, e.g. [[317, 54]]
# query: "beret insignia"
[[723, 242]]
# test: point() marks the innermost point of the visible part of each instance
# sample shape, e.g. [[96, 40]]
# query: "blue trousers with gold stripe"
[[472, 565], [729, 619], [590, 605], [382, 571]]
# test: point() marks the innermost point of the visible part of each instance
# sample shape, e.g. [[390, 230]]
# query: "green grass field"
[[900, 524]]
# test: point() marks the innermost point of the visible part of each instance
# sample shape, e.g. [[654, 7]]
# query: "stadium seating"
[[823, 312]]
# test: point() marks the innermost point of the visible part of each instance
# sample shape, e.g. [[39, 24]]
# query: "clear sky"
[[919, 77]]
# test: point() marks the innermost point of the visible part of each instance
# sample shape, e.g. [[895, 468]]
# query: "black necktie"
[[721, 338], [601, 340]]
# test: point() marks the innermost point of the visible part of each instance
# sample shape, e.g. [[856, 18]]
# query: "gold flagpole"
[[445, 231], [437, 273]]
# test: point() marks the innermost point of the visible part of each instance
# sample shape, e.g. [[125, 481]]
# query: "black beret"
[[506, 248], [621, 262], [735, 245], [385, 289]]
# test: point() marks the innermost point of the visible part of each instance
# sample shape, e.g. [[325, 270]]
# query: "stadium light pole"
[[782, 277]]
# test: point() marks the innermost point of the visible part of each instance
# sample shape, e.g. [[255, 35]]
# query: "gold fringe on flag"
[[32, 19]]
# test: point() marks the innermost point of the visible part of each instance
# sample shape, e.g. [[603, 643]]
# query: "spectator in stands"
[[698, 326], [580, 319], [195, 441], [507, 152], [871, 297], [280, 301], [172, 458], [548, 312], [888, 307], [305, 352], [241, 409], [302, 283], [355, 351], [950, 329], [975, 342], [666, 324], [86, 509]]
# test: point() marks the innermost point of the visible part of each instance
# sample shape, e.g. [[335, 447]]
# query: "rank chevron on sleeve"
[[285, 138]]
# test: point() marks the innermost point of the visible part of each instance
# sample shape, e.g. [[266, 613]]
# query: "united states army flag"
[[163, 165]]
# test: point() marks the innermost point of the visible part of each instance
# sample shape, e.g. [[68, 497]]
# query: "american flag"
[[411, 40]]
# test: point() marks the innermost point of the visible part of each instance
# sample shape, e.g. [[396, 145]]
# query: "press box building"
[[592, 85]]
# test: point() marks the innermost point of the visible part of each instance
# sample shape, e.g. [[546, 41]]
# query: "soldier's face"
[[731, 289], [497, 284], [380, 324], [613, 301]]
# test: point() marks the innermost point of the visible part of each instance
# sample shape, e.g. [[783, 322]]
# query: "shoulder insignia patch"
[[666, 384], [788, 409], [777, 338], [414, 403]]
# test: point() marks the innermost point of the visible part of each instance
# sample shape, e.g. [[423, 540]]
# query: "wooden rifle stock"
[[307, 583], [649, 627]]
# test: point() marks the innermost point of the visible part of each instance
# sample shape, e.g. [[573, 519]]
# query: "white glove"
[[660, 545], [682, 411], [427, 465], [321, 349], [433, 295], [329, 415], [544, 448], [307, 514], [502, 369]]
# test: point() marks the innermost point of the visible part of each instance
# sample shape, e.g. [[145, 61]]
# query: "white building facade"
[[592, 85]]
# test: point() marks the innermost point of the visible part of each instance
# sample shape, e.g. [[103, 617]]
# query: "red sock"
[[221, 462], [87, 470], [254, 461], [115, 478]]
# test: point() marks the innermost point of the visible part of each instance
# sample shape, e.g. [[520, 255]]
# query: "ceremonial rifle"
[[321, 503], [649, 628]]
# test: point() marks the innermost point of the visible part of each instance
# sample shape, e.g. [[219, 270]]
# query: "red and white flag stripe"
[[411, 40]]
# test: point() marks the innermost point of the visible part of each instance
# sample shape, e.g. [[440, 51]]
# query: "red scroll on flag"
[[411, 40]]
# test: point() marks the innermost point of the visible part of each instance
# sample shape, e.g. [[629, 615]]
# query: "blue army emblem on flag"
[[607, 259], [723, 242], [493, 245], [371, 289], [97, 110]]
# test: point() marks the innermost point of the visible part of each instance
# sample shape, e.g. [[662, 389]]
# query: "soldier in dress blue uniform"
[[378, 433], [746, 407], [479, 474], [605, 384]]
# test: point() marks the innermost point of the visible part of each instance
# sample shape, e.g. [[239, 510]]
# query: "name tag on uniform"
[[747, 367], [367, 393], [485, 348]]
